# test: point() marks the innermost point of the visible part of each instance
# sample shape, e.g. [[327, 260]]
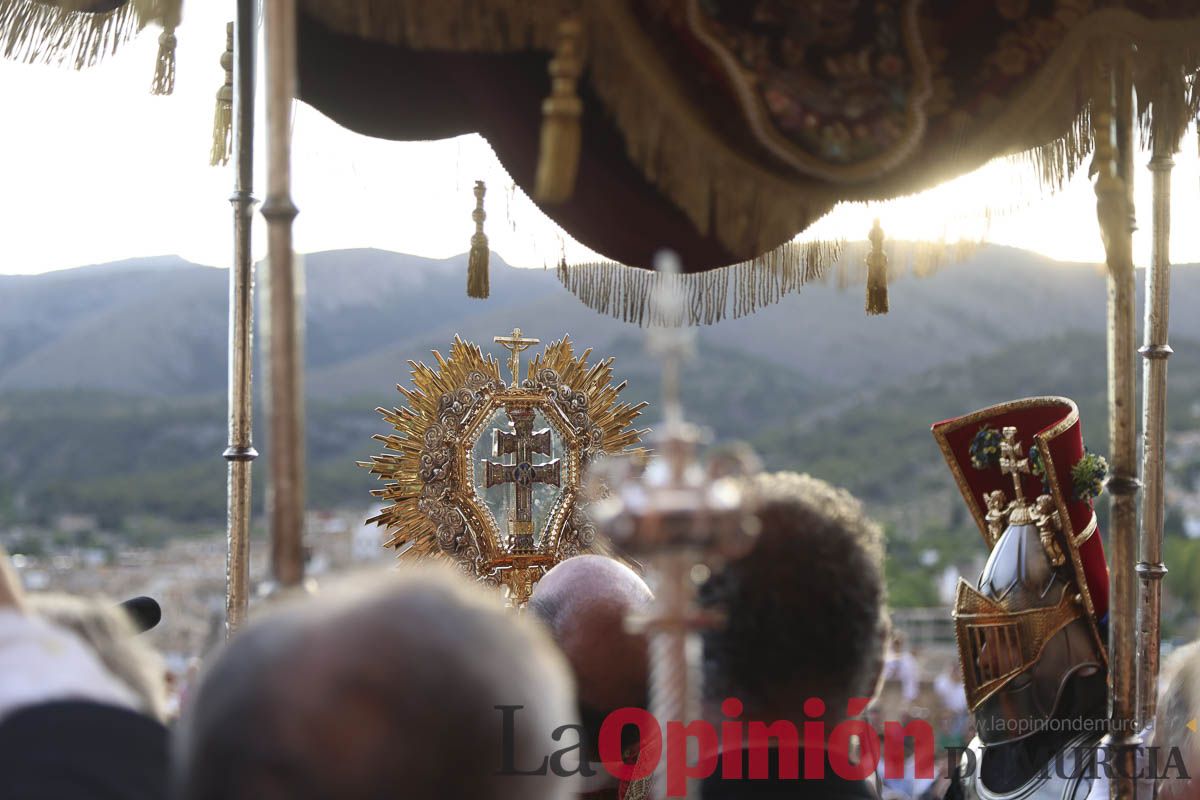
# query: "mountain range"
[[112, 377], [112, 381], [157, 327]]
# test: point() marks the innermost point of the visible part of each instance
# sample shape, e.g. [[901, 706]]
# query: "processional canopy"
[[488, 472]]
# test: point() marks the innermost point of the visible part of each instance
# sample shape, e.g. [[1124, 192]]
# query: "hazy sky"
[[96, 169]]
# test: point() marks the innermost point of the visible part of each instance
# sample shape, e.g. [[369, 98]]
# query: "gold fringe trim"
[[1056, 162], [1164, 55], [750, 210], [1168, 97], [747, 208], [35, 33], [739, 290], [222, 145]]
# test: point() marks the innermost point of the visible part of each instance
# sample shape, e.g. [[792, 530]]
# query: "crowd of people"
[[416, 682]]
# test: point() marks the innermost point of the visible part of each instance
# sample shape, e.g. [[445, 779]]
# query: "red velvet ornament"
[[1052, 425]]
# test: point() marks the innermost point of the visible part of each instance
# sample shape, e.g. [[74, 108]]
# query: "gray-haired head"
[[385, 686]]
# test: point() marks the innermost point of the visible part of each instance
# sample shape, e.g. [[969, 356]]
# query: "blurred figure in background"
[[108, 629], [71, 727], [902, 667]]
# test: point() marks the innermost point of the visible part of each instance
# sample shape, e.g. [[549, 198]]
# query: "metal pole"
[[1112, 115], [1155, 353], [286, 474], [241, 453], [674, 652]]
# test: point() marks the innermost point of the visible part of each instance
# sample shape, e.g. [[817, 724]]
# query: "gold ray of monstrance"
[[489, 474]]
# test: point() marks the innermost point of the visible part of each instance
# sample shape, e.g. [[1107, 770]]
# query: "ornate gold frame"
[[434, 507]]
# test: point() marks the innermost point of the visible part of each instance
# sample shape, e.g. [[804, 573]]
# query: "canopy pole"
[[1155, 353], [285, 502], [1112, 116], [241, 453]]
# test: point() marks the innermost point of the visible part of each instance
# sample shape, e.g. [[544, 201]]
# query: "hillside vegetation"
[[112, 400]]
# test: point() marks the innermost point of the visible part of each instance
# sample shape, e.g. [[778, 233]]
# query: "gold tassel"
[[477, 262], [167, 12], [164, 67], [877, 281], [558, 156], [222, 146]]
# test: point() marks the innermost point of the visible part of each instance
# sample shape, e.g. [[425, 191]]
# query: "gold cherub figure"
[[997, 513], [1045, 515]]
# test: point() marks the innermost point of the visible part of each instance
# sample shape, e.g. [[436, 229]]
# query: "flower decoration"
[[1038, 468], [985, 448], [1088, 475]]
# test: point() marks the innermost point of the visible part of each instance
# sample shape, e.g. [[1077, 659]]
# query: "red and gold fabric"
[[1051, 427], [723, 128]]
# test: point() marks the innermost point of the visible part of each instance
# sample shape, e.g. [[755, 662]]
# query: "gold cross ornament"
[[514, 343], [1014, 462]]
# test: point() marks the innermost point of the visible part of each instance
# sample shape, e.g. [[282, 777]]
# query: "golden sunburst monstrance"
[[488, 473]]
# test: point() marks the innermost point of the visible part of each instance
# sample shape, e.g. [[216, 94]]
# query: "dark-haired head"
[[804, 610]]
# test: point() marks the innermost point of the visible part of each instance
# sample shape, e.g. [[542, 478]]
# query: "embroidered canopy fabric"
[[719, 128], [724, 128]]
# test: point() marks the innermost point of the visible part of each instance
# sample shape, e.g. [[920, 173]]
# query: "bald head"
[[377, 689], [584, 602]]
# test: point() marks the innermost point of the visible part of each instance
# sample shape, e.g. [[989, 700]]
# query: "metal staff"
[[240, 452], [1155, 353], [286, 495], [679, 521], [1112, 118]]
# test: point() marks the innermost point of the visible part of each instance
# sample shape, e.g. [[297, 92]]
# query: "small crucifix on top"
[[1013, 461], [514, 343]]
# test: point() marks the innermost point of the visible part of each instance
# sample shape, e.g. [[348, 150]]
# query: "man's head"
[[584, 602], [385, 687], [804, 610]]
